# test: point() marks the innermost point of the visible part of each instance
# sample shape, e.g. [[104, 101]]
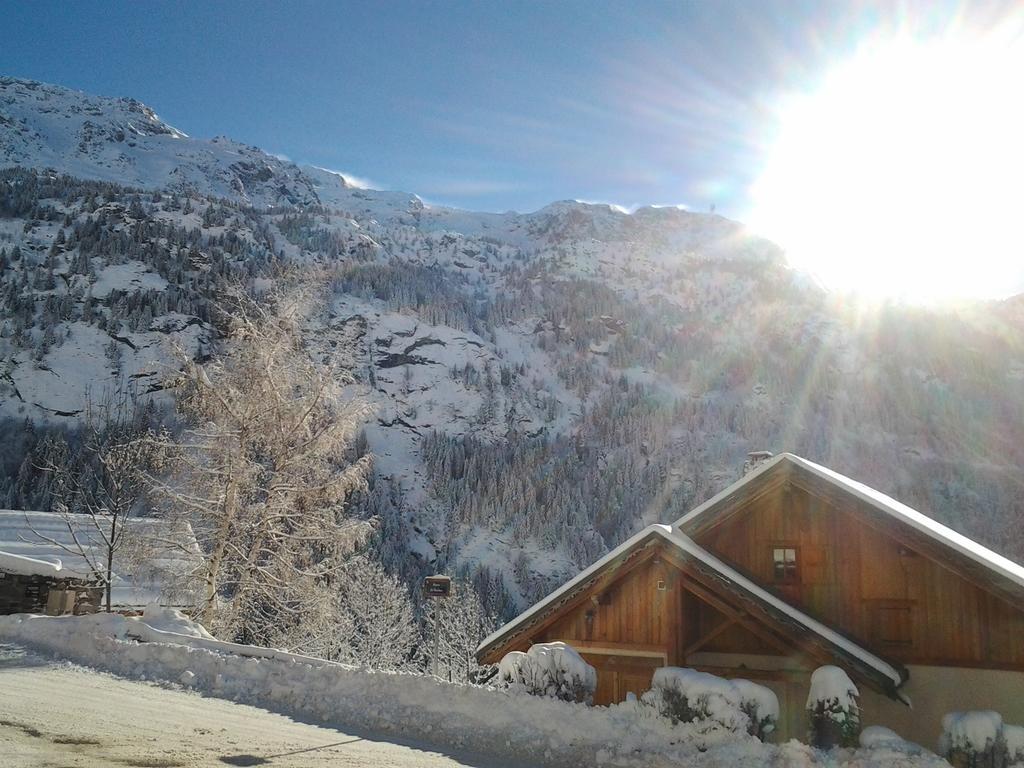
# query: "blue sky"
[[485, 105]]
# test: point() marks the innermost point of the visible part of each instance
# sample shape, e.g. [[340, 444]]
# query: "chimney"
[[755, 459]]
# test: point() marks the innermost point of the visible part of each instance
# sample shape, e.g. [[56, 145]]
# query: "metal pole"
[[437, 632]]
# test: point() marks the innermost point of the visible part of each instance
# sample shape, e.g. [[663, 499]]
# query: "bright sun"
[[902, 175]]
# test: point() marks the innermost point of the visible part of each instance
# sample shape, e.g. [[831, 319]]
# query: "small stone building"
[[28, 585], [156, 562]]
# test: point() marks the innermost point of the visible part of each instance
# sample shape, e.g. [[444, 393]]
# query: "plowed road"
[[59, 715]]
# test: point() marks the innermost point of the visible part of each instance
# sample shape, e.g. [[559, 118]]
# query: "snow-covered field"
[[502, 724]]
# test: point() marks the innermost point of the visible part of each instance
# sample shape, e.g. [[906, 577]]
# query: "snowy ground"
[[54, 713], [456, 720]]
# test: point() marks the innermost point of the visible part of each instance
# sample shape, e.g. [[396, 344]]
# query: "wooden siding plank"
[[852, 568]]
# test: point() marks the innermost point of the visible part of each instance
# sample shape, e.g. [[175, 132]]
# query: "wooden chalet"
[[791, 567]]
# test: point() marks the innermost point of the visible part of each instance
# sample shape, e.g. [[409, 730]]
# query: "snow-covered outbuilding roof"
[[154, 564], [30, 566]]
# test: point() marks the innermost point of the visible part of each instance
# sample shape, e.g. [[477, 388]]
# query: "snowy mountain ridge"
[[545, 383], [123, 140]]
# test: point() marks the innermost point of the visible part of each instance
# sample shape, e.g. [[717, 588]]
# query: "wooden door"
[[621, 673]]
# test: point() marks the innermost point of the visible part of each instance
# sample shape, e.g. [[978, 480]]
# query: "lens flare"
[[901, 174]]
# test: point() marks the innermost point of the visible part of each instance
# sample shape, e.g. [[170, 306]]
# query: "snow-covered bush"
[[687, 696], [515, 670], [554, 670], [761, 706], [1014, 737], [832, 707], [974, 739]]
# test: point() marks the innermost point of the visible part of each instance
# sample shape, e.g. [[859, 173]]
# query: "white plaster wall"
[[934, 691]]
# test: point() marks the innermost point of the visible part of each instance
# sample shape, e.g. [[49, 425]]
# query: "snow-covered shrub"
[[761, 706], [1013, 735], [687, 696], [832, 707], [974, 739], [515, 670], [554, 670]]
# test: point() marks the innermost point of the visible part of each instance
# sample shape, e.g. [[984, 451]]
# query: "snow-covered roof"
[[877, 500], [153, 565], [690, 548], [30, 566]]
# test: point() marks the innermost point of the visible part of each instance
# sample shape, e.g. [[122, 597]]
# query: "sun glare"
[[901, 174]]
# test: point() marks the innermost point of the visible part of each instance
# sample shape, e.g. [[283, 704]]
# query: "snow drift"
[[488, 720]]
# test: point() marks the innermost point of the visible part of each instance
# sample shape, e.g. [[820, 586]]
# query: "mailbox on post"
[[437, 586]]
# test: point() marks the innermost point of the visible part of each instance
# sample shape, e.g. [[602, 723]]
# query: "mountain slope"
[[545, 383]]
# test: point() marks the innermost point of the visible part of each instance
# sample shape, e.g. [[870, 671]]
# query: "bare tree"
[[263, 468], [97, 488], [372, 624]]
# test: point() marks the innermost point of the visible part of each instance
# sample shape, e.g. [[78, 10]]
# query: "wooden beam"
[[623, 648], [736, 615], [702, 641], [779, 675]]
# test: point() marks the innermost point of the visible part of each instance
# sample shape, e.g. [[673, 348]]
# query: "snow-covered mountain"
[[544, 382], [122, 140]]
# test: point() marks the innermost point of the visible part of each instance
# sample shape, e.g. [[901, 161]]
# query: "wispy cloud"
[[360, 182], [630, 209], [613, 206]]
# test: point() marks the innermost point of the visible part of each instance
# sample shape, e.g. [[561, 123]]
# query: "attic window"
[[785, 568]]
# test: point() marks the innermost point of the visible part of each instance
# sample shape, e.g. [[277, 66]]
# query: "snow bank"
[[491, 721], [879, 736], [155, 616], [555, 670]]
